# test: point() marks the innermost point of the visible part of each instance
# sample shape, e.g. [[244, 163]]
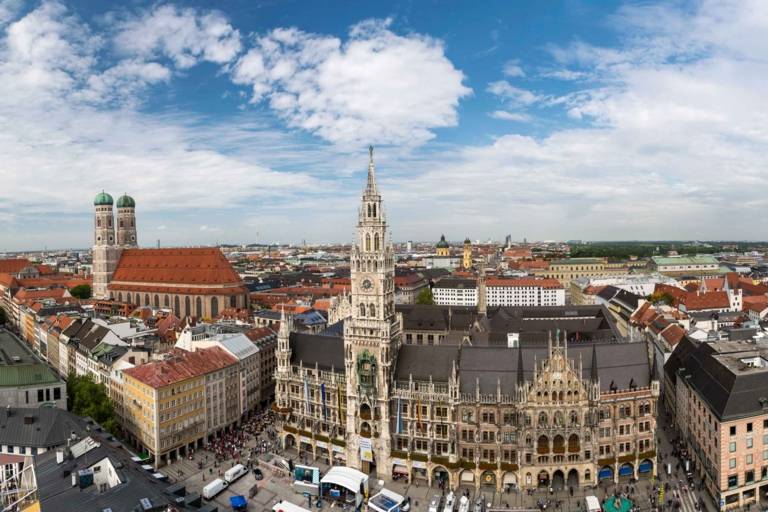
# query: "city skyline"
[[572, 122]]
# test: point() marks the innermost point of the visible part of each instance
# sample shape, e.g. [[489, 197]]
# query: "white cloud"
[[512, 69], [9, 10], [513, 95], [670, 142], [185, 36], [375, 87], [62, 139], [505, 115]]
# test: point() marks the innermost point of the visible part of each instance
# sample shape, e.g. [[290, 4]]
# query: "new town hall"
[[544, 410]]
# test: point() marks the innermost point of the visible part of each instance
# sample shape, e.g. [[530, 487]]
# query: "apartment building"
[[718, 395], [167, 404], [455, 291]]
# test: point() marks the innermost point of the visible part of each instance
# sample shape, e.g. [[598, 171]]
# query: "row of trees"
[[87, 398], [639, 249]]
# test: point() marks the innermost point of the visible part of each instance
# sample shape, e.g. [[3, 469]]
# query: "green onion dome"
[[103, 199]]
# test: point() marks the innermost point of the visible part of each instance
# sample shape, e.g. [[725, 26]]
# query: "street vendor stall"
[[345, 485]]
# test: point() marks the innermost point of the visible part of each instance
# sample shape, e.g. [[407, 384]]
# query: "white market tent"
[[346, 477]]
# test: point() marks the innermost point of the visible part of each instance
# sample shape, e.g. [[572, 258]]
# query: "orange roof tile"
[[673, 334], [14, 265], [181, 366], [8, 280], [180, 266]]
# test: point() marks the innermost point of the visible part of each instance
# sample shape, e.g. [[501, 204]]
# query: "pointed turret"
[[370, 188], [593, 375]]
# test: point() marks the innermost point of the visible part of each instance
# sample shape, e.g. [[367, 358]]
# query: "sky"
[[244, 121]]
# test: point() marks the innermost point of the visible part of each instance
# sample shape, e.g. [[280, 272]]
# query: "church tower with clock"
[[372, 336]]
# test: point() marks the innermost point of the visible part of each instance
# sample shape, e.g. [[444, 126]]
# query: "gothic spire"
[[370, 188], [593, 376]]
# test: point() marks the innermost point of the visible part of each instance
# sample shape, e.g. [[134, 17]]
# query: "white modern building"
[[639, 284], [452, 291]]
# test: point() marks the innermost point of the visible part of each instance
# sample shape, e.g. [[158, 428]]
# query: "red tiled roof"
[[530, 265], [45, 269], [51, 293], [673, 334], [235, 314], [709, 300], [180, 266], [524, 282], [322, 304], [14, 265], [57, 279], [181, 366], [259, 333], [518, 253], [8, 280]]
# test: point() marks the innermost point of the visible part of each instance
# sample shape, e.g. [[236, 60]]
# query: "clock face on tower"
[[367, 284]]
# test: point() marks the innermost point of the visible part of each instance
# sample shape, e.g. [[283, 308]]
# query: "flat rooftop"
[[19, 366]]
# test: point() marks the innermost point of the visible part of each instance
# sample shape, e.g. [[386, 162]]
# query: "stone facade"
[[490, 415]]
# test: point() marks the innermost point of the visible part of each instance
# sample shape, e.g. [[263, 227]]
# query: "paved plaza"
[[276, 485]]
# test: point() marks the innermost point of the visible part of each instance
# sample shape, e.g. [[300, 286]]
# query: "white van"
[[287, 506], [212, 489], [593, 504], [234, 473]]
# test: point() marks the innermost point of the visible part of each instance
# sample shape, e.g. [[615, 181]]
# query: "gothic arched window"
[[367, 242], [166, 301], [233, 301], [176, 306], [369, 210], [146, 299], [98, 223], [199, 307], [542, 419], [119, 297], [376, 242], [128, 298], [574, 418], [157, 301], [372, 310], [214, 307], [187, 307], [374, 209], [362, 309]]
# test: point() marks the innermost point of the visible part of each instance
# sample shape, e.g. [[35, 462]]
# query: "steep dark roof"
[[326, 351], [422, 317], [425, 361], [715, 371], [619, 365]]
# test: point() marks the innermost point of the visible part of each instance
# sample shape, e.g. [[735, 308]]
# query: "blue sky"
[[240, 121]]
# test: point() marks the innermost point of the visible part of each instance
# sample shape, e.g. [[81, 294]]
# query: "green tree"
[[81, 291], [425, 296], [87, 398], [661, 298]]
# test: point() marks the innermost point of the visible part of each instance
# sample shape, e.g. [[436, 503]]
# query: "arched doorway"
[[488, 478], [467, 476], [509, 480], [645, 469], [289, 441], [606, 473], [441, 478], [400, 472], [573, 479], [626, 471], [558, 480], [365, 412], [543, 479]]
